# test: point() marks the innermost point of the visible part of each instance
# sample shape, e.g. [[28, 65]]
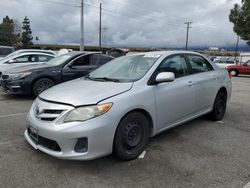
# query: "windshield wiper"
[[104, 79]]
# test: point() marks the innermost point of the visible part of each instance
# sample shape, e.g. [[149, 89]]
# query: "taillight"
[[230, 75]]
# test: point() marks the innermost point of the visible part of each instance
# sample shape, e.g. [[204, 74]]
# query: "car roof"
[[38, 50], [83, 52], [7, 47], [33, 53], [167, 53]]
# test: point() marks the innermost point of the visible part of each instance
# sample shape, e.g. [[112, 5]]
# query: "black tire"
[[41, 85], [132, 136], [234, 72], [219, 108]]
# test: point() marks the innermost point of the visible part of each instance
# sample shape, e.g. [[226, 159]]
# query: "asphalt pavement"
[[200, 153]]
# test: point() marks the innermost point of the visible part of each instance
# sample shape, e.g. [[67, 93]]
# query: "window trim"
[[66, 65], [152, 78]]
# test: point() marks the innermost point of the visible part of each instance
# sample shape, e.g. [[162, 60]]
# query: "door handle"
[[190, 83], [214, 77]]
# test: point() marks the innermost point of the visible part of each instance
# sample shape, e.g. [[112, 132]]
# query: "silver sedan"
[[119, 106]]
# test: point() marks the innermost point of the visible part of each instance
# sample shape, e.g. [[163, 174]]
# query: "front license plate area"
[[33, 133]]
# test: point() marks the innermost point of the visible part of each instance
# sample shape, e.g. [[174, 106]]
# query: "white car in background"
[[21, 59], [29, 51], [224, 63]]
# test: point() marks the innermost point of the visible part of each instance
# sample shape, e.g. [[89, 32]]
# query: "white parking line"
[[11, 115], [247, 185]]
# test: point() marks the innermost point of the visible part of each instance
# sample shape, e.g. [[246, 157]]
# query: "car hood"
[[81, 92], [15, 68]]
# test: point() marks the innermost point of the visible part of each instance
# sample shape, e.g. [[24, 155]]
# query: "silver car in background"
[[120, 105]]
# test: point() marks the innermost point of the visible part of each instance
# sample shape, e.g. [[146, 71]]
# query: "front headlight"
[[16, 76], [87, 112]]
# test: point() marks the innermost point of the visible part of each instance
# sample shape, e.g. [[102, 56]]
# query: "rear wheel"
[[219, 107], [234, 72], [132, 136], [41, 85]]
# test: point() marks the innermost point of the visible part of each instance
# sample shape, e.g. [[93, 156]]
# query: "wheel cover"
[[233, 73], [132, 134], [43, 85]]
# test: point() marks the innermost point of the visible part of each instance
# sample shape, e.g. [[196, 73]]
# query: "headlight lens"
[[16, 76], [88, 112]]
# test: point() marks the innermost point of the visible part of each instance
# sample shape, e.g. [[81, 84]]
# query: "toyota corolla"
[[119, 106]]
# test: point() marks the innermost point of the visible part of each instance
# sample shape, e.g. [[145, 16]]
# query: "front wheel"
[[41, 85], [132, 136], [219, 108]]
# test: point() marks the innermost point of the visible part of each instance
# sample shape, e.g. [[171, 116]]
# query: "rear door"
[[175, 100], [206, 82]]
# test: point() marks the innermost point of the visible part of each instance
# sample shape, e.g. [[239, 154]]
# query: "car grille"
[[49, 112], [50, 144]]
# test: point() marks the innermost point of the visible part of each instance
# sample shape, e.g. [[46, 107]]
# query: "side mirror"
[[245, 64], [11, 61], [165, 77]]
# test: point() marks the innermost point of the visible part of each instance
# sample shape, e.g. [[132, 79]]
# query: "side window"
[[34, 58], [82, 61], [103, 59], [22, 59], [176, 64], [199, 64], [230, 62], [44, 58], [96, 59]]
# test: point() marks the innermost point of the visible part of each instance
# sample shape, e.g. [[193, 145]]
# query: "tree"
[[27, 33], [240, 17], [7, 35]]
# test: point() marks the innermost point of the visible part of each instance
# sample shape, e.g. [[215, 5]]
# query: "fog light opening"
[[81, 145]]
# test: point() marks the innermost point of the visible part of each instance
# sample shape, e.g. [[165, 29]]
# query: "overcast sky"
[[137, 23]]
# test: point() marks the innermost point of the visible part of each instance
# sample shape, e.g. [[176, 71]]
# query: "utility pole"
[[237, 46], [82, 26], [100, 29], [188, 27], [104, 36]]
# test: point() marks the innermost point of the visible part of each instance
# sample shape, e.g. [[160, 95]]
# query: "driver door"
[[79, 67], [175, 101]]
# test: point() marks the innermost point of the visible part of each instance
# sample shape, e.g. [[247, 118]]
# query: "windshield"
[[7, 58], [125, 69], [60, 59]]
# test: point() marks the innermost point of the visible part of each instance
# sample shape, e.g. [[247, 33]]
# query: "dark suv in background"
[[34, 79], [6, 50]]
